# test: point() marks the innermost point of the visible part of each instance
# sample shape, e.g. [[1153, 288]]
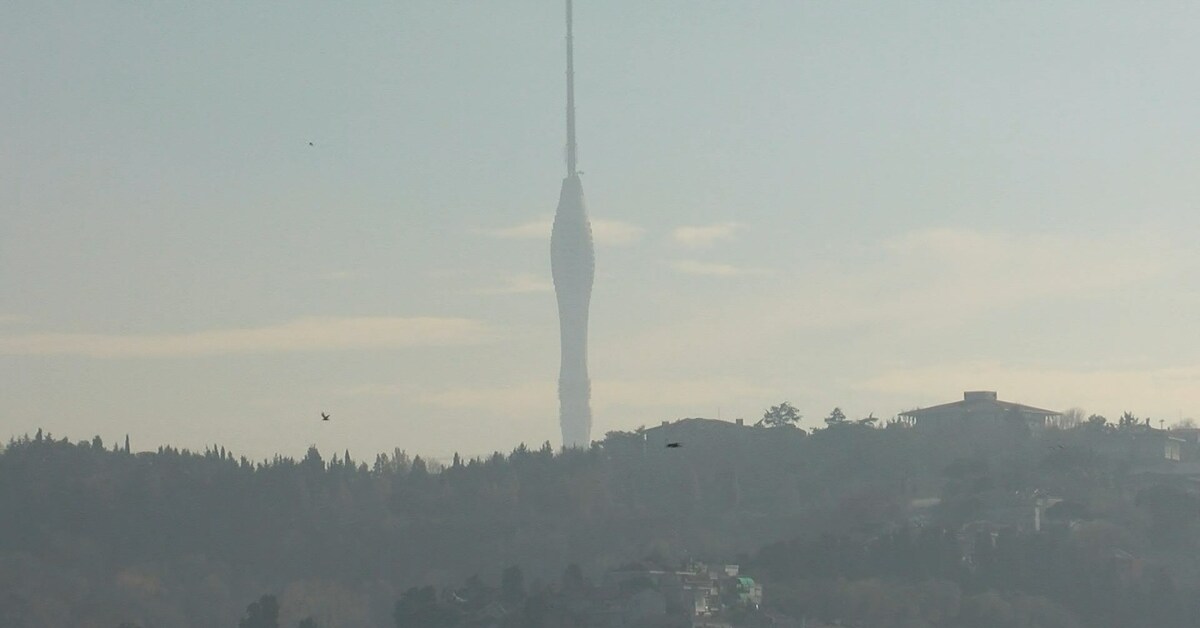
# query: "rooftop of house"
[[1165, 469], [978, 402], [698, 424]]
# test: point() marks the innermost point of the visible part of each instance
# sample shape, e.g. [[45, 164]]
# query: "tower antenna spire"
[[571, 149], [573, 265]]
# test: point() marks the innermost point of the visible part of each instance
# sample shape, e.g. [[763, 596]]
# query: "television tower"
[[573, 264]]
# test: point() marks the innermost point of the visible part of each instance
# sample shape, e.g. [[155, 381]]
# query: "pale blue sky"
[[872, 205]]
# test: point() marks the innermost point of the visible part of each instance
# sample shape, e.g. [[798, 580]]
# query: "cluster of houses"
[[695, 595], [708, 596], [702, 593], [1150, 456]]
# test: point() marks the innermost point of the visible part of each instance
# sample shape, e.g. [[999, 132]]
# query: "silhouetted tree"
[[782, 415], [475, 592], [419, 608], [261, 614], [419, 469], [312, 459], [1072, 417], [836, 417], [512, 585], [1128, 421]]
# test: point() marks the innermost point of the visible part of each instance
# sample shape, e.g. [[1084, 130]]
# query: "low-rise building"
[[980, 409], [700, 592]]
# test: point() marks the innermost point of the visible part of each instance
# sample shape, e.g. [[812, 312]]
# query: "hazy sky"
[[872, 205]]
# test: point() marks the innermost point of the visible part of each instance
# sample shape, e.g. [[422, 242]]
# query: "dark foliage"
[[92, 536]]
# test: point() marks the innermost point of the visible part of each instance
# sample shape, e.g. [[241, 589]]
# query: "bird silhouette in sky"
[[324, 417], [674, 445], [310, 143]]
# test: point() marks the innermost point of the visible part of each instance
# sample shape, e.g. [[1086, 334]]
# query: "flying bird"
[[310, 143], [324, 417], [674, 445]]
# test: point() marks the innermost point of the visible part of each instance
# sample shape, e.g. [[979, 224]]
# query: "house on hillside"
[[981, 408], [1189, 434], [694, 434], [1139, 445], [1156, 445], [1154, 457], [698, 593], [694, 430], [748, 592]]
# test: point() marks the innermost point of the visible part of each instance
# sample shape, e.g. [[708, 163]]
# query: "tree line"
[[97, 535]]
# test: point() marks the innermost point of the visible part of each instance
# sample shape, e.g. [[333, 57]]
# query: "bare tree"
[[1072, 417]]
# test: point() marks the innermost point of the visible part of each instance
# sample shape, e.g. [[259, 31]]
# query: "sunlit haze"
[[220, 219]]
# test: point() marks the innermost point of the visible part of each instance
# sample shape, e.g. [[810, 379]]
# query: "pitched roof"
[[977, 404], [697, 423]]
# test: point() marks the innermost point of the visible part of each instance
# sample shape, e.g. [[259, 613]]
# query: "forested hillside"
[[96, 535]]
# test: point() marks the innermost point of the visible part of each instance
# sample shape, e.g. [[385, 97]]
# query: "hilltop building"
[[980, 408]]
